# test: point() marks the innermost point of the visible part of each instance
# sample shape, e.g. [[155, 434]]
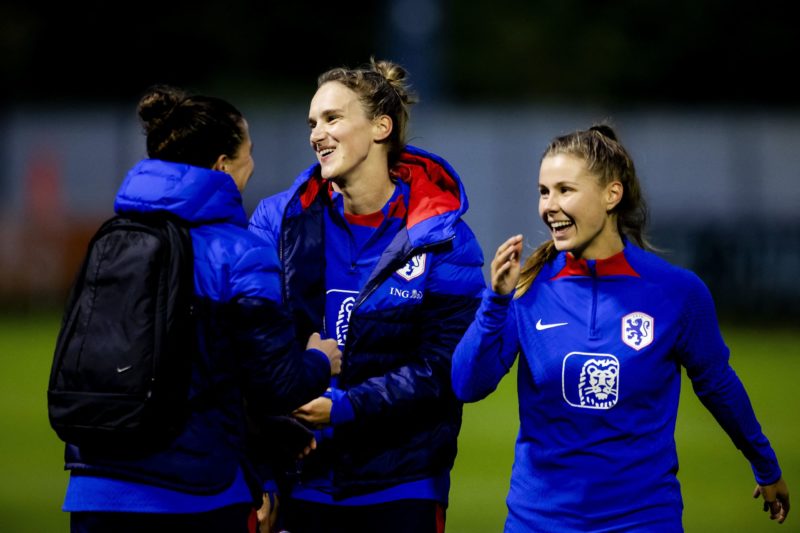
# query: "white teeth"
[[560, 224], [326, 151]]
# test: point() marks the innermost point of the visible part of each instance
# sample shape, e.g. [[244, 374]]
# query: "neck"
[[366, 192], [365, 198], [605, 245]]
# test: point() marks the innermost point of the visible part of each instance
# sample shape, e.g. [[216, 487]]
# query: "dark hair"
[[606, 158], [382, 89], [191, 129]]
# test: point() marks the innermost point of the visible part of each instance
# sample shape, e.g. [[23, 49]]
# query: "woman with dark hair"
[[375, 254], [602, 327], [199, 161]]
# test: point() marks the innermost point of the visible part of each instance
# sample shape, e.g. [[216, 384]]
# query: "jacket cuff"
[[493, 311], [321, 354], [342, 408], [767, 477], [497, 298]]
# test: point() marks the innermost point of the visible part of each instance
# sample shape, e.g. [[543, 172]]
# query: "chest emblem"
[[339, 306], [637, 330], [343, 319], [414, 268], [590, 380]]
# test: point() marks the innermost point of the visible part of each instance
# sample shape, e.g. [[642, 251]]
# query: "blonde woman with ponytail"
[[602, 327], [374, 252]]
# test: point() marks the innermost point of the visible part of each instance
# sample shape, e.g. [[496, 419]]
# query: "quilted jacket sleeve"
[[279, 374]]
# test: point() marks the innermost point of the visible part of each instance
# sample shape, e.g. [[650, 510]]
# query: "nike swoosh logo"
[[122, 369], [540, 326]]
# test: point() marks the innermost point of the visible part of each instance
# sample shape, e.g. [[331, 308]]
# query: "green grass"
[[31, 455], [717, 481]]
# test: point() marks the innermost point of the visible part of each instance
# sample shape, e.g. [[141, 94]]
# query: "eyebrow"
[[556, 185], [328, 112]]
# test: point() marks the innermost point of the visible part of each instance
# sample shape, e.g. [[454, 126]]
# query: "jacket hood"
[[437, 198], [197, 195]]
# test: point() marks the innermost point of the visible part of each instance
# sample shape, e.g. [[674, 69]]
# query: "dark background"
[[559, 51]]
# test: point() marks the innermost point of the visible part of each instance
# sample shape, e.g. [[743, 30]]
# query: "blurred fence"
[[722, 186]]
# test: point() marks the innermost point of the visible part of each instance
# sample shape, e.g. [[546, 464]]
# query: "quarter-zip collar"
[[568, 266], [616, 265]]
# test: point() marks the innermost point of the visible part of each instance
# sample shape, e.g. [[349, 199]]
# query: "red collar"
[[433, 190], [395, 209], [616, 265]]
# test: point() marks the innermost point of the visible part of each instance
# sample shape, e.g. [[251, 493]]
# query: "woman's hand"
[[268, 513], [317, 412], [776, 499], [330, 348], [506, 265]]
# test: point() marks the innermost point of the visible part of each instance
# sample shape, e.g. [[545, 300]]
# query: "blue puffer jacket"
[[248, 350], [403, 327]]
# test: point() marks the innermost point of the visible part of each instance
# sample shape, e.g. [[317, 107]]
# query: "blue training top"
[[601, 345]]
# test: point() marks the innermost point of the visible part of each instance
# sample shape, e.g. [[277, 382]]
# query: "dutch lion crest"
[[637, 330], [414, 268]]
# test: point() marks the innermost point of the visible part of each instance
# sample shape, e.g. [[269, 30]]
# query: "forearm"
[[488, 349], [279, 374], [726, 399]]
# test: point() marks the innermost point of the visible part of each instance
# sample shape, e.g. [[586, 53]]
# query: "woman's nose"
[[549, 203], [316, 134]]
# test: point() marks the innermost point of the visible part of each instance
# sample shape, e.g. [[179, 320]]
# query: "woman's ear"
[[382, 126], [614, 191], [221, 163]]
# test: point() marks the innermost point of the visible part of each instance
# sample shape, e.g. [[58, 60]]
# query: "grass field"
[[716, 480]]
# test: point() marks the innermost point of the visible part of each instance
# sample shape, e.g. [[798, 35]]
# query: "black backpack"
[[122, 363]]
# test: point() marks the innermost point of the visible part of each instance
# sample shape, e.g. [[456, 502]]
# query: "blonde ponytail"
[[533, 265]]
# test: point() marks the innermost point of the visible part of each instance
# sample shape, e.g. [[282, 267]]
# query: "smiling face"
[[576, 208], [343, 136]]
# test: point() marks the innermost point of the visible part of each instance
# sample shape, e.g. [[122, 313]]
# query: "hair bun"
[[396, 76], [605, 130], [393, 72], [157, 104]]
